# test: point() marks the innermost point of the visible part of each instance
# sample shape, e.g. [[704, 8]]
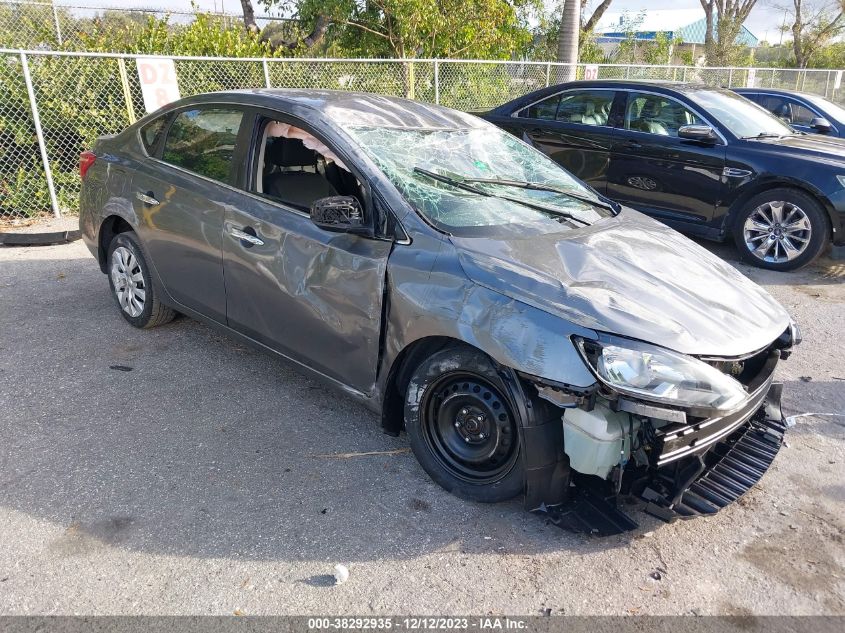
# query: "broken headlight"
[[660, 375]]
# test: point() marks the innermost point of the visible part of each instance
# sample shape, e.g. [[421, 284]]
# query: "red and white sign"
[[159, 85], [752, 78], [591, 71]]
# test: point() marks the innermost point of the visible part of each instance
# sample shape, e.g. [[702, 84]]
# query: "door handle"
[[147, 198], [246, 237], [633, 144]]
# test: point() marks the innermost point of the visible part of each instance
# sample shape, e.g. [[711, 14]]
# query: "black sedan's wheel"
[[462, 429], [131, 284], [781, 229]]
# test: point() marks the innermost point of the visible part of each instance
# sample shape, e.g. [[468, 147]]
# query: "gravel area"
[[196, 483]]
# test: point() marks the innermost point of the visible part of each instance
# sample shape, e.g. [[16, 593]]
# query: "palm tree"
[[570, 29]]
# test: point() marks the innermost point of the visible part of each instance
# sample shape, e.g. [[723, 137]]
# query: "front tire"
[[131, 284], [781, 229], [462, 429]]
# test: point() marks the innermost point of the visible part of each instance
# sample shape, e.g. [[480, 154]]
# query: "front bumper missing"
[[697, 482]]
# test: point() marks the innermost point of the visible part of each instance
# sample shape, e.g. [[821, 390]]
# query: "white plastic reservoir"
[[594, 439]]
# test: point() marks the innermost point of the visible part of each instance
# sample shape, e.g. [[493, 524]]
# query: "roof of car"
[[354, 108], [777, 91], [641, 83]]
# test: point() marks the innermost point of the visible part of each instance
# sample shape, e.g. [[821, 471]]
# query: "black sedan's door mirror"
[[821, 125], [700, 133], [341, 214]]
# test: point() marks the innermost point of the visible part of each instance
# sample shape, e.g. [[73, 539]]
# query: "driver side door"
[[312, 295], [653, 170]]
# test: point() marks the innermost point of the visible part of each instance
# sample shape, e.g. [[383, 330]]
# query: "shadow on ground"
[[179, 440]]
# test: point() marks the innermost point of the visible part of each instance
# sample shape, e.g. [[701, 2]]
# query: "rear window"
[[150, 134], [203, 141]]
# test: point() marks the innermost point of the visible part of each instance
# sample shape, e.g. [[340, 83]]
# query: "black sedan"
[[703, 160], [804, 112]]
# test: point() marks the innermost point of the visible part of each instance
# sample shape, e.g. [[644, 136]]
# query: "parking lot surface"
[[174, 471]]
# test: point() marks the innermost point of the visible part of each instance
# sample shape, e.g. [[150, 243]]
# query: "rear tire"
[[462, 429], [131, 284], [781, 229]]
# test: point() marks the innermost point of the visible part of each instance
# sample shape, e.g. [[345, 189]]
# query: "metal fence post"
[[42, 146], [56, 20], [437, 81], [548, 73], [127, 95], [266, 73], [730, 76]]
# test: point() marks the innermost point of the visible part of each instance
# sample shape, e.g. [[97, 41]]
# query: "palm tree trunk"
[[570, 29]]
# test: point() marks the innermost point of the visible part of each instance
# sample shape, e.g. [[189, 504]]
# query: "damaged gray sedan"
[[532, 337]]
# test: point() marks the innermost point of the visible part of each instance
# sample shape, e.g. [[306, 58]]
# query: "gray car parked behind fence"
[[529, 335]]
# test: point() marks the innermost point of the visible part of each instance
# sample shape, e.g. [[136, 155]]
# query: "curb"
[[39, 239]]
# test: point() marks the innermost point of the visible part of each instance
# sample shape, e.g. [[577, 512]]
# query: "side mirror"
[[700, 133], [341, 214], [820, 124]]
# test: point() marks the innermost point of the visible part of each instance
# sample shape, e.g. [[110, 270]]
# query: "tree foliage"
[[494, 29], [724, 20], [814, 25]]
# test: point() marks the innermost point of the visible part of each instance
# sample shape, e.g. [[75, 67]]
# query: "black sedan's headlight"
[[660, 375]]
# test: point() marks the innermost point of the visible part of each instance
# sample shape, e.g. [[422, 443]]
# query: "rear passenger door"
[[575, 129], [656, 172], [180, 194]]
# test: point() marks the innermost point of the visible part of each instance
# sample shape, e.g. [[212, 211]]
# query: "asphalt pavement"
[[175, 471]]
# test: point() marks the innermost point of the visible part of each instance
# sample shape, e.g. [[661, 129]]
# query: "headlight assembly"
[[661, 375], [841, 180]]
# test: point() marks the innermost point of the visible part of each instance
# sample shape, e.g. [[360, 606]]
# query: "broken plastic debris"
[[341, 574], [792, 419]]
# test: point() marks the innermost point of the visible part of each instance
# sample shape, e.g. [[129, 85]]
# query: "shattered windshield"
[[411, 156]]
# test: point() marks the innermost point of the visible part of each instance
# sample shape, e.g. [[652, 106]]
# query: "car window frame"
[[627, 92], [154, 150], [173, 115], [790, 99], [249, 166], [610, 120]]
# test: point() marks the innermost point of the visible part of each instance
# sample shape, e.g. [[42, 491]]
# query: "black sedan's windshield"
[[742, 117], [535, 194]]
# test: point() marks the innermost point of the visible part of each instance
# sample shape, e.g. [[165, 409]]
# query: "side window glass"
[[203, 141], [150, 133], [657, 115], [546, 109], [802, 115], [588, 108], [779, 107]]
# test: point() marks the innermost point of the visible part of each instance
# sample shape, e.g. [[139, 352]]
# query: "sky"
[[764, 21]]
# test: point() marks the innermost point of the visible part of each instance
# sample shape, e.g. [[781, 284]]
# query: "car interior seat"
[[648, 119], [782, 112], [295, 178], [590, 117]]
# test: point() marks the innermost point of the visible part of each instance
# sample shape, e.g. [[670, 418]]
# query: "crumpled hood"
[[633, 276]]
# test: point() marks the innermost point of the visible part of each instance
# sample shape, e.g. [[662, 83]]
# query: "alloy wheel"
[[777, 232], [469, 428], [128, 281]]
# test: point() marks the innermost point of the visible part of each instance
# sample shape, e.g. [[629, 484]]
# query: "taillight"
[[86, 159]]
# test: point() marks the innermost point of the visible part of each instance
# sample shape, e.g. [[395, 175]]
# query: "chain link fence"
[[53, 105]]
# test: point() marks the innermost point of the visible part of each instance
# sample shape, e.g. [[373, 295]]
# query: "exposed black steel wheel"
[[462, 429]]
